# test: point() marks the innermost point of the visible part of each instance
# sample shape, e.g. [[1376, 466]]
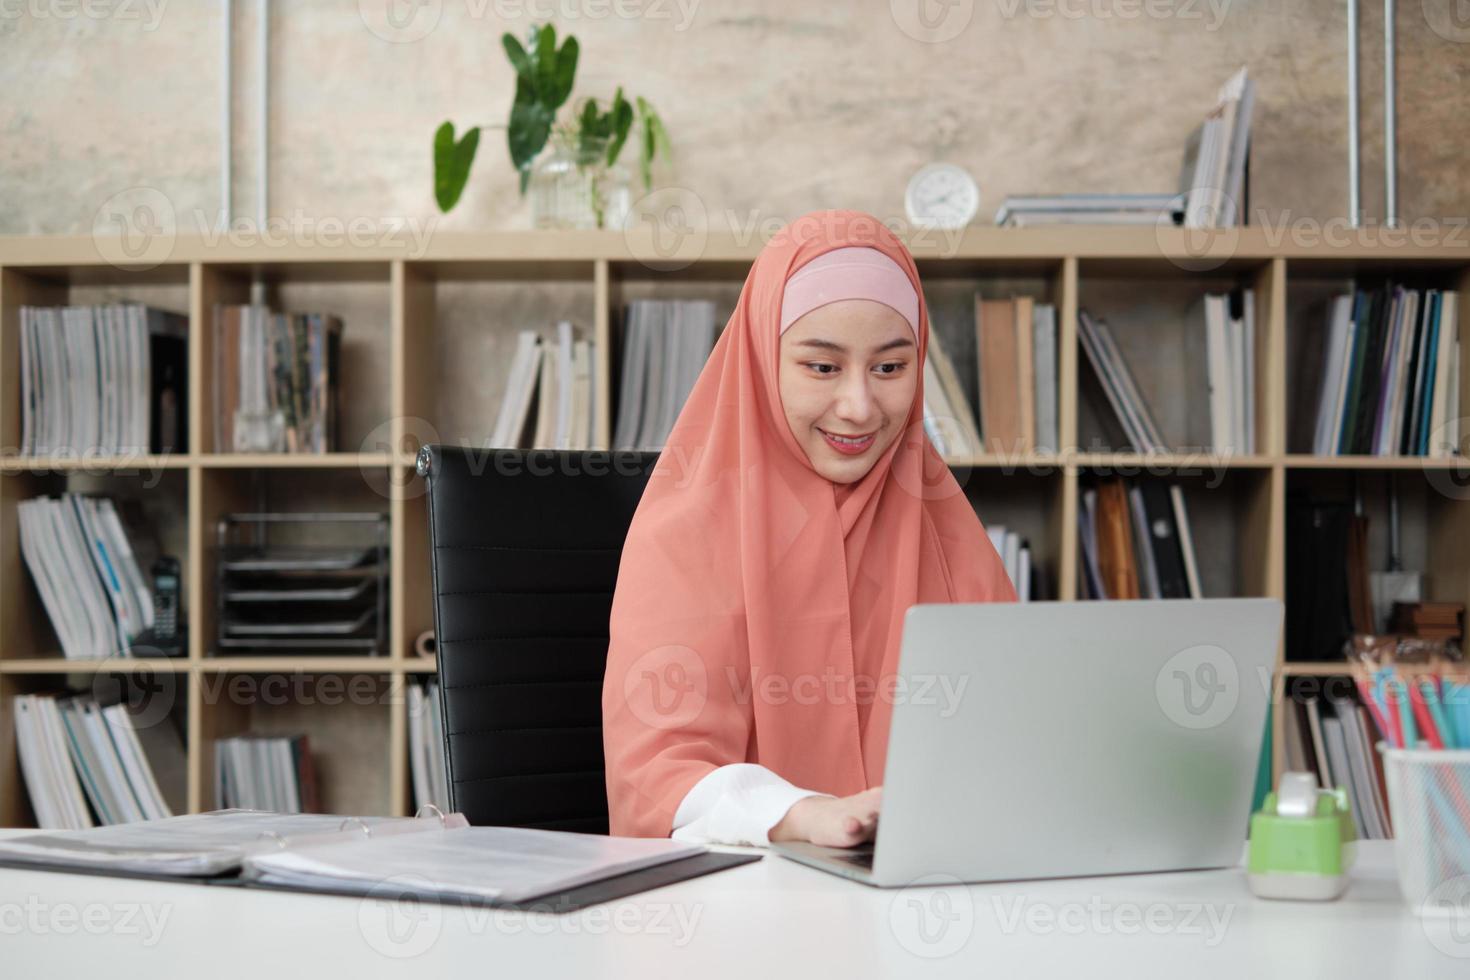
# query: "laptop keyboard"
[[863, 859]]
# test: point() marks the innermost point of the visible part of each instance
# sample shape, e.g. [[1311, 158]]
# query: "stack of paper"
[[85, 571], [71, 745], [506, 864], [426, 747], [665, 346], [557, 380], [199, 844], [108, 379]]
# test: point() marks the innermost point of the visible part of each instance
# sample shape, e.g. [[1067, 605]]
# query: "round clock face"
[[942, 195]]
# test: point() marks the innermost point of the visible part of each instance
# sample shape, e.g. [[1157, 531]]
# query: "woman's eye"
[[818, 366], [896, 365]]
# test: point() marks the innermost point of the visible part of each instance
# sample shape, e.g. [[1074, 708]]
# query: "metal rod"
[[262, 174], [1355, 204], [1390, 123], [227, 89]]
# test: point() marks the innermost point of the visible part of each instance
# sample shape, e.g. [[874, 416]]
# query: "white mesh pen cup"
[[1429, 804]]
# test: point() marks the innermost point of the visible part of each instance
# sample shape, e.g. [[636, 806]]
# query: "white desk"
[[762, 921]]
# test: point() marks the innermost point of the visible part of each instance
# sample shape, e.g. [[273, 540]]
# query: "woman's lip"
[[847, 449], [843, 435]]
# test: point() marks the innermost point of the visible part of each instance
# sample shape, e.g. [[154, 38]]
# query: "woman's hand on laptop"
[[831, 821]]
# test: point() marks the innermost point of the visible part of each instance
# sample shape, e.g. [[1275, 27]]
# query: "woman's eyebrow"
[[833, 346]]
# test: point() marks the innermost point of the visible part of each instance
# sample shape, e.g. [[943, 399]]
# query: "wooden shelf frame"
[[614, 267]]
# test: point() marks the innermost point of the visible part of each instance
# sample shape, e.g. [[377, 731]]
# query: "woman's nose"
[[855, 399]]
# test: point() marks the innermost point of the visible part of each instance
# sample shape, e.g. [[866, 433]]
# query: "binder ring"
[[436, 812], [366, 830], [280, 841]]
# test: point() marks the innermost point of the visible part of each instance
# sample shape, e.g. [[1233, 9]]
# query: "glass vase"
[[572, 186]]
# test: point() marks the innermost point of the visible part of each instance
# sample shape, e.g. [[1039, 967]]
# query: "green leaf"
[[452, 163], [621, 119], [545, 74], [530, 126], [566, 72], [516, 53]]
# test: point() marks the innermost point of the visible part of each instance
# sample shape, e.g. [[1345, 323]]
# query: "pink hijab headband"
[[854, 272]]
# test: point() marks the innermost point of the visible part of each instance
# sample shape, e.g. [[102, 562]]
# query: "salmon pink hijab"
[[759, 606]]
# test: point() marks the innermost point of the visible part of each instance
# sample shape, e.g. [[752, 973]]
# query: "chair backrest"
[[524, 552]]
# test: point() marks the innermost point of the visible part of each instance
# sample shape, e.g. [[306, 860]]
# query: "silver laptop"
[[1055, 739]]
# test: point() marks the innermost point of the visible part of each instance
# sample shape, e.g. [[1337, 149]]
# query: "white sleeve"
[[736, 804]]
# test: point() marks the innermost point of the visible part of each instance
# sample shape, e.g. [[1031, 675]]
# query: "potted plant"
[[580, 182]]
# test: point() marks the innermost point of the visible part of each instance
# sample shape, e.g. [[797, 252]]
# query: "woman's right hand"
[[831, 821]]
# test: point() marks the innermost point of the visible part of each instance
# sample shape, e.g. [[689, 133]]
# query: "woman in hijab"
[[795, 513]]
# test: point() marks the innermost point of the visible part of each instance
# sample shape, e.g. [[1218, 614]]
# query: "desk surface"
[[769, 919]]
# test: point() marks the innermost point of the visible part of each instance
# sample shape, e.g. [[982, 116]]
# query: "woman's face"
[[849, 368]]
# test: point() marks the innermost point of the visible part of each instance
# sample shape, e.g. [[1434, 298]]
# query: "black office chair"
[[524, 551]]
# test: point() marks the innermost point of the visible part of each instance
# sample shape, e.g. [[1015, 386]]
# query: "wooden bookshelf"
[[425, 341]]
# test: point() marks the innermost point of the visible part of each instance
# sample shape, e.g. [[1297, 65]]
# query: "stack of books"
[[75, 753], [1016, 365], [1212, 179], [665, 346], [258, 772], [84, 568], [1015, 554], [1024, 211], [276, 380], [1215, 158], [549, 396], [1136, 542], [426, 747], [1430, 620], [1220, 357], [1387, 382], [1335, 743], [103, 379]]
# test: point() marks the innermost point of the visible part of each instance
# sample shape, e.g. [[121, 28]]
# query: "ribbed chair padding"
[[524, 554]]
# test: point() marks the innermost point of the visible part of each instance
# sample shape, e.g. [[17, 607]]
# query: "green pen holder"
[[1302, 855]]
